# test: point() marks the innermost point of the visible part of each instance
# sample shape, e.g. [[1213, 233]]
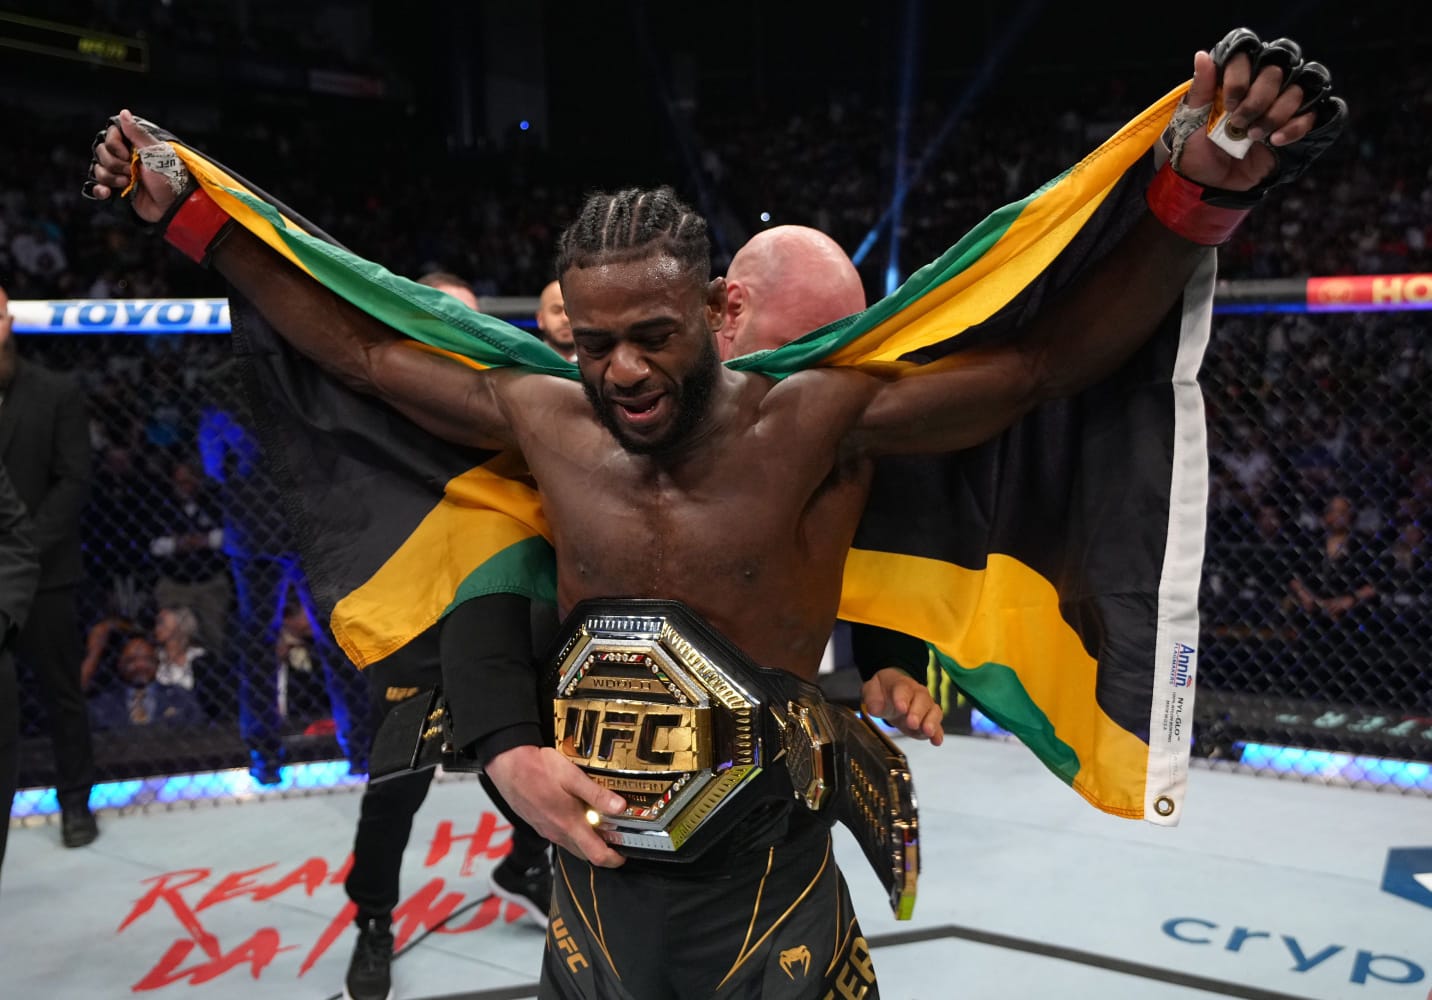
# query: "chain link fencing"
[[1317, 586], [202, 651]]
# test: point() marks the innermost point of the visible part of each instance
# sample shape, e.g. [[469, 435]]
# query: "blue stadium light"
[[1379, 771], [37, 802], [228, 784], [993, 61], [524, 124], [908, 54], [892, 276], [982, 725], [765, 216]]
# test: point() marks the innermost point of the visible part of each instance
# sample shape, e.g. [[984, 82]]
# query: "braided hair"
[[632, 224]]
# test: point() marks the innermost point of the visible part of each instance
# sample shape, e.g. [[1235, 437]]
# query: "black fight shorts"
[[774, 922]]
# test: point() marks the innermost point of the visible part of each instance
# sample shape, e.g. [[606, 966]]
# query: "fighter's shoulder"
[[527, 384], [831, 391], [525, 391]]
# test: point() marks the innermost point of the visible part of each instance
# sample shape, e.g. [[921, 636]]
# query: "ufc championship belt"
[[654, 704]]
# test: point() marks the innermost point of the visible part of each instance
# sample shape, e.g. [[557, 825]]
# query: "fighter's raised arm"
[[444, 397], [1196, 200]]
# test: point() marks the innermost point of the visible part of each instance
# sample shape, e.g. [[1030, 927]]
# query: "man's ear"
[[736, 301], [720, 296]]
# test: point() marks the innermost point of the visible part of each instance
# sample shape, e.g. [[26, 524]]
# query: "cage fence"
[[1317, 583], [207, 668]]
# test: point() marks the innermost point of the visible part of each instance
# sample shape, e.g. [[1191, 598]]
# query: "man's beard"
[[692, 399]]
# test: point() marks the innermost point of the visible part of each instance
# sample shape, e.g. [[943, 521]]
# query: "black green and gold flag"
[[1054, 570]]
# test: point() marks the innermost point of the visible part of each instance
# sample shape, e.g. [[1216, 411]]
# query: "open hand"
[[153, 195], [905, 703]]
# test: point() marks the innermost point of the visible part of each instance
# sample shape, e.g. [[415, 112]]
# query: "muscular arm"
[[441, 396], [1102, 320], [1079, 339]]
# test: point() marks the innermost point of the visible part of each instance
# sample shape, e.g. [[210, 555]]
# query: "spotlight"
[[524, 124], [765, 216]]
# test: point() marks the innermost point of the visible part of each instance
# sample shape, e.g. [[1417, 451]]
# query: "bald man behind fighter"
[[785, 282]]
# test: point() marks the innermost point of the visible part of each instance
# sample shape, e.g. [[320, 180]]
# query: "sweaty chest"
[[726, 533], [643, 536]]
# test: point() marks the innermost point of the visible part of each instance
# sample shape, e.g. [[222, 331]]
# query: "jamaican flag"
[[1053, 571]]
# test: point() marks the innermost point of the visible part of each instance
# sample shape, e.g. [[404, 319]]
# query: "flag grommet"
[[1163, 805]]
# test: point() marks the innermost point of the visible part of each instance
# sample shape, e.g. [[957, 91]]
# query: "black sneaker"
[[370, 970], [530, 889], [77, 826]]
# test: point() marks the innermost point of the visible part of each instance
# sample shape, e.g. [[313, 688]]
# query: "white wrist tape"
[[1185, 122], [164, 161]]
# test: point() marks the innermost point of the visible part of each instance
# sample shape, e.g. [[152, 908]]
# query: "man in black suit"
[[44, 446], [19, 573]]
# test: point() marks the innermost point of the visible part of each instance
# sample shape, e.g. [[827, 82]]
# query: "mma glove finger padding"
[[1210, 215], [1330, 113]]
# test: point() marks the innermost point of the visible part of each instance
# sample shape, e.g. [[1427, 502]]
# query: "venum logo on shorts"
[[793, 957], [1182, 673]]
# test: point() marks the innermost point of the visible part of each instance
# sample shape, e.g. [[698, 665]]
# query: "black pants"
[[773, 922], [9, 741], [48, 649], [385, 823]]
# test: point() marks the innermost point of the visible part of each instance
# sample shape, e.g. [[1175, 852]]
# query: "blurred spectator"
[[98, 654], [1405, 587], [136, 679], [117, 525], [1405, 578], [119, 660], [552, 322], [1267, 556], [1415, 504], [452, 285], [1252, 463], [187, 546], [1335, 589], [277, 635], [1336, 576], [183, 666], [38, 253]]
